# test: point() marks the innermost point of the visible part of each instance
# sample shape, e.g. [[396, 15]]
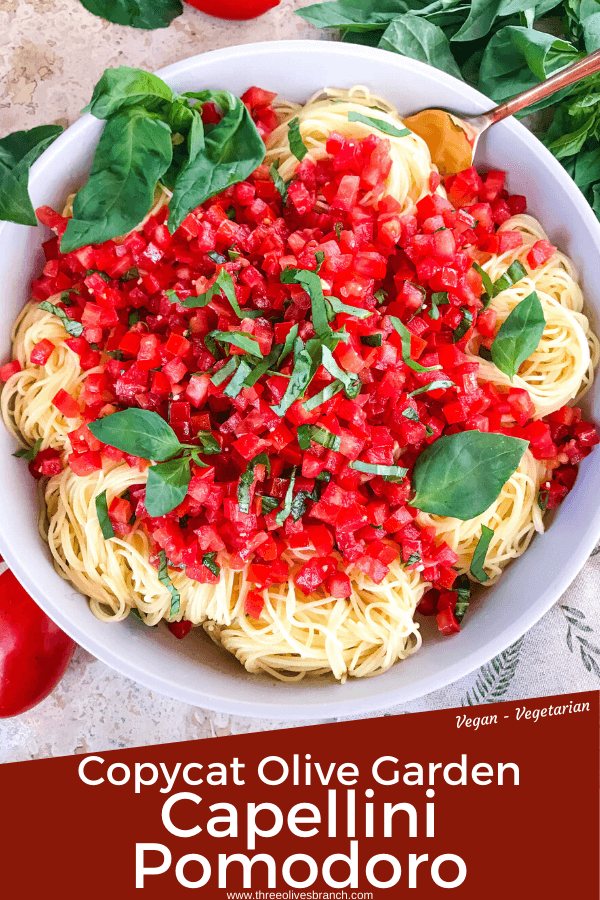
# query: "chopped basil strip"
[[247, 480], [134, 317], [464, 326], [372, 340], [268, 504], [304, 437], [542, 499], [488, 285], [320, 259], [379, 124], [515, 272], [439, 298], [30, 453], [262, 367], [519, 335], [442, 384], [209, 442], [413, 559], [352, 383], [208, 560], [237, 383], [106, 526], [462, 587], [323, 396], [233, 255], [288, 346], [227, 370], [278, 182], [381, 295], [222, 284], [129, 276], [480, 553], [217, 258], [311, 283], [429, 431], [163, 577], [300, 503], [390, 473], [70, 325], [406, 335], [325, 438], [297, 145], [325, 476], [410, 413], [338, 228], [357, 311], [300, 378], [287, 503], [240, 339]]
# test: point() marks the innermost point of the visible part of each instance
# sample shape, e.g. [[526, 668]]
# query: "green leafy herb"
[[421, 39], [390, 473], [515, 272], [311, 283], [379, 124], [357, 311], [70, 325], [278, 182], [238, 382], [147, 14], [18, 152], [303, 436], [372, 340], [442, 385], [233, 254], [329, 391], [208, 560], [247, 480], [406, 336], [225, 371], [338, 228], [167, 486], [487, 284], [209, 442], [297, 145], [287, 502], [429, 431], [352, 383], [411, 413], [519, 335], [462, 586], [542, 499], [106, 525], [268, 504], [163, 577], [30, 453], [301, 501], [134, 317], [413, 560], [325, 438], [236, 338], [464, 326], [300, 378], [130, 275], [139, 432], [478, 561], [381, 295], [217, 258], [124, 87], [461, 475], [320, 259]]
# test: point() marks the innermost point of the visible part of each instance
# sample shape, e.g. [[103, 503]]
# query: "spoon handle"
[[586, 66]]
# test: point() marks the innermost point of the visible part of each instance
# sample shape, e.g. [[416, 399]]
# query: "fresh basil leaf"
[[224, 155], [461, 475], [240, 339], [442, 385], [311, 283], [389, 473], [208, 560], [163, 577], [288, 346], [139, 432], [478, 561], [329, 391], [278, 182], [413, 559], [411, 414], [357, 311], [406, 335], [106, 525], [325, 438], [438, 298], [30, 453], [133, 317], [167, 486], [287, 503], [124, 87], [519, 335], [303, 436], [297, 145], [462, 586], [133, 152], [484, 353], [325, 476], [147, 14], [300, 503], [233, 255], [268, 504], [352, 383], [299, 380], [225, 371], [217, 258], [379, 124], [246, 480], [18, 152], [483, 14], [420, 39], [354, 15], [488, 285], [237, 383], [210, 444], [464, 326], [71, 326], [381, 295], [338, 228], [542, 499], [515, 272], [262, 367], [372, 340], [428, 431]]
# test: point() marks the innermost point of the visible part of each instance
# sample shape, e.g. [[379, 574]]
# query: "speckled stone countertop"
[[52, 52]]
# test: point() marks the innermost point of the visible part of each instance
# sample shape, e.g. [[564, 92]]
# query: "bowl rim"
[[279, 708]]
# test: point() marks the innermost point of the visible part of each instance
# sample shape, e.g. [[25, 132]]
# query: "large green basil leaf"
[[18, 152], [139, 432], [519, 335], [124, 87], [354, 14], [132, 154], [483, 14], [224, 155], [167, 486], [420, 39], [518, 58], [147, 14], [461, 475]]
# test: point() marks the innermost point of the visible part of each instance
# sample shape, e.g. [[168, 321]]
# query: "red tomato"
[[234, 9], [34, 652]]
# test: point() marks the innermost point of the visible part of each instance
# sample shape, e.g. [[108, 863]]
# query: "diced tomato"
[[9, 369], [41, 352], [540, 253], [66, 404]]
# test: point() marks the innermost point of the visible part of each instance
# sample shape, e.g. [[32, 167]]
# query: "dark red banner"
[[492, 801]]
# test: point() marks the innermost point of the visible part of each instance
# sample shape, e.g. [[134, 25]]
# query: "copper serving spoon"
[[452, 136]]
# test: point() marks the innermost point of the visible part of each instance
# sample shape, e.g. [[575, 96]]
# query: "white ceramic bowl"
[[194, 670]]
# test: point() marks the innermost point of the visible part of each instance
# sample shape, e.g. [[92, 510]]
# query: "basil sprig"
[[379, 124], [18, 152], [297, 145], [167, 486], [30, 453], [163, 577], [106, 525], [71, 326], [480, 553], [519, 335], [461, 475], [406, 336]]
